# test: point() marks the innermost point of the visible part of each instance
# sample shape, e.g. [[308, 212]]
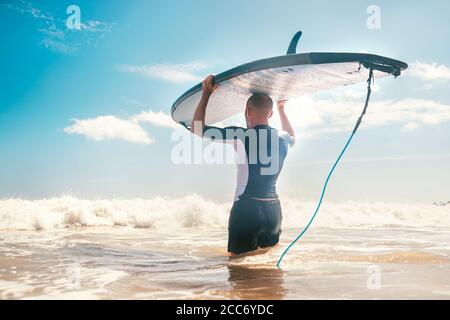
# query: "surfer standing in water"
[[254, 225]]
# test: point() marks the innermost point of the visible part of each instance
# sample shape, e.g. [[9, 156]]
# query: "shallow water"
[[135, 263]]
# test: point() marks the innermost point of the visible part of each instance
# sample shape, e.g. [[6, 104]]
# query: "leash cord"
[[369, 90]]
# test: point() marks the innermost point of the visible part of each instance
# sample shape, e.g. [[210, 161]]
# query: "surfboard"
[[283, 77]]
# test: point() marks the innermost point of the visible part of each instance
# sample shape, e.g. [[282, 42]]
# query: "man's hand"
[[207, 86], [280, 104]]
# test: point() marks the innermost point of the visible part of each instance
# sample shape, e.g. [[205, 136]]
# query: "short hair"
[[260, 100]]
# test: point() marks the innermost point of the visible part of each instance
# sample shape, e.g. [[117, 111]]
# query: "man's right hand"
[[281, 103], [208, 86]]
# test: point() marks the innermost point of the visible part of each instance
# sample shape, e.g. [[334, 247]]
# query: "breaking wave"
[[165, 214]]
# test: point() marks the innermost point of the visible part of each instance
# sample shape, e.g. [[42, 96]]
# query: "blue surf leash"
[[369, 90]]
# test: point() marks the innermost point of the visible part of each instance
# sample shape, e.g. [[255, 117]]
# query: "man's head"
[[258, 109]]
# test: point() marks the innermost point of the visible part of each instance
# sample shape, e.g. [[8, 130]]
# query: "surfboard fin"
[[293, 45]]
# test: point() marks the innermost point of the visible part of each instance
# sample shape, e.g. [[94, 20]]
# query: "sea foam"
[[193, 211]]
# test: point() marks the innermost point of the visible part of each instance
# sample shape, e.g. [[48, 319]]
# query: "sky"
[[85, 108]]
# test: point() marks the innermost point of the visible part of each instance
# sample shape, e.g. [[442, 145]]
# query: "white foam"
[[158, 213], [13, 289], [367, 214], [196, 212]]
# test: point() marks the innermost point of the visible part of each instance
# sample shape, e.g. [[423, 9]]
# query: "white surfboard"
[[283, 77]]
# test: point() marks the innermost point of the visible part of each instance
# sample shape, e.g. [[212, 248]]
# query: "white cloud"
[[168, 72], [428, 71], [57, 46], [159, 119], [410, 126], [53, 32], [357, 92], [113, 128], [323, 117], [24, 7], [57, 37], [97, 26], [109, 128]]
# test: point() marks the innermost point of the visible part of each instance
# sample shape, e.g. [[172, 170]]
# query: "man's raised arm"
[[198, 121], [285, 123]]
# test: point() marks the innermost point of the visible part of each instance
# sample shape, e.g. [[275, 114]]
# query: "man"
[[255, 220]]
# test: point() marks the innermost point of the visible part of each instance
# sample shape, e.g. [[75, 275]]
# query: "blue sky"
[[131, 59]]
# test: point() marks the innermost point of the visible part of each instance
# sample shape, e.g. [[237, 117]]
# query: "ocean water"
[[69, 248]]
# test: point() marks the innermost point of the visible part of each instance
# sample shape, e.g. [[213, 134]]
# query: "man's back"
[[260, 154]]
